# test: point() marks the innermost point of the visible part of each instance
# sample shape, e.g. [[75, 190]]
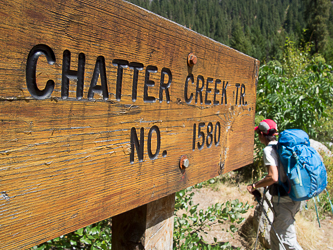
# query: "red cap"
[[267, 126]]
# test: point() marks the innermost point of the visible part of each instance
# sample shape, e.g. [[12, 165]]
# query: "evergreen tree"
[[317, 14], [239, 40]]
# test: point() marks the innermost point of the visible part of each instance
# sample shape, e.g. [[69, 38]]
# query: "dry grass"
[[249, 234], [308, 234]]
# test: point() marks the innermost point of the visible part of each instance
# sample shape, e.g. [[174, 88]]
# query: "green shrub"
[[188, 227], [295, 100], [328, 162], [93, 237], [325, 130]]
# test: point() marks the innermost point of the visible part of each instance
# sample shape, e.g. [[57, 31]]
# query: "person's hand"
[[250, 188]]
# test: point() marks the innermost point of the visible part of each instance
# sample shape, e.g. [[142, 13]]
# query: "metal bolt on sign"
[[191, 60], [184, 162]]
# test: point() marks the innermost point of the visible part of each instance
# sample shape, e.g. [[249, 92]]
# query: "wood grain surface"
[[147, 227], [71, 156]]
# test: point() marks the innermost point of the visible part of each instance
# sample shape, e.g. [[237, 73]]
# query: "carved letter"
[[216, 91], [149, 83], [158, 144], [224, 93], [68, 74], [121, 65], [165, 86], [34, 53], [188, 100], [135, 143], [99, 70], [136, 67], [237, 86], [208, 90], [242, 95], [199, 89]]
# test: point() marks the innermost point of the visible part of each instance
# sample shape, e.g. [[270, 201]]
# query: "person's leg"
[[284, 218]]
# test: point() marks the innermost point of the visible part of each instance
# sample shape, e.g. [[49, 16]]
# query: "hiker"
[[284, 207]]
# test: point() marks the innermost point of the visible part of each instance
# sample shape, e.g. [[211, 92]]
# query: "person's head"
[[267, 131]]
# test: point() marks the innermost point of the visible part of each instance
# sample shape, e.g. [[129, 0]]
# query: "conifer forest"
[[258, 28]]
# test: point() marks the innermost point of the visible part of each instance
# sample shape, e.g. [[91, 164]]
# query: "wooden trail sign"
[[98, 103]]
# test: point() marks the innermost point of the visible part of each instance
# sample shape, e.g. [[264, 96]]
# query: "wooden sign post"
[[106, 107]]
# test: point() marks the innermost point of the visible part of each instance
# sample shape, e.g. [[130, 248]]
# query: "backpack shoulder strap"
[[275, 147]]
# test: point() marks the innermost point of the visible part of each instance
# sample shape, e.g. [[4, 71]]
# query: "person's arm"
[[271, 178]]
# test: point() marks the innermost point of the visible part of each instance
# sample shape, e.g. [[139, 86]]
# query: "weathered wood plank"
[[147, 227], [65, 160]]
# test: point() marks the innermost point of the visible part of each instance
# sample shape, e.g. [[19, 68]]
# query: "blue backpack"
[[305, 172]]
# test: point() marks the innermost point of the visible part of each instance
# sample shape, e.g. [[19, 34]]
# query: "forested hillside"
[[256, 27]]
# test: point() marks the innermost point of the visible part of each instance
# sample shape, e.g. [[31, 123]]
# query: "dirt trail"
[[310, 236]]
